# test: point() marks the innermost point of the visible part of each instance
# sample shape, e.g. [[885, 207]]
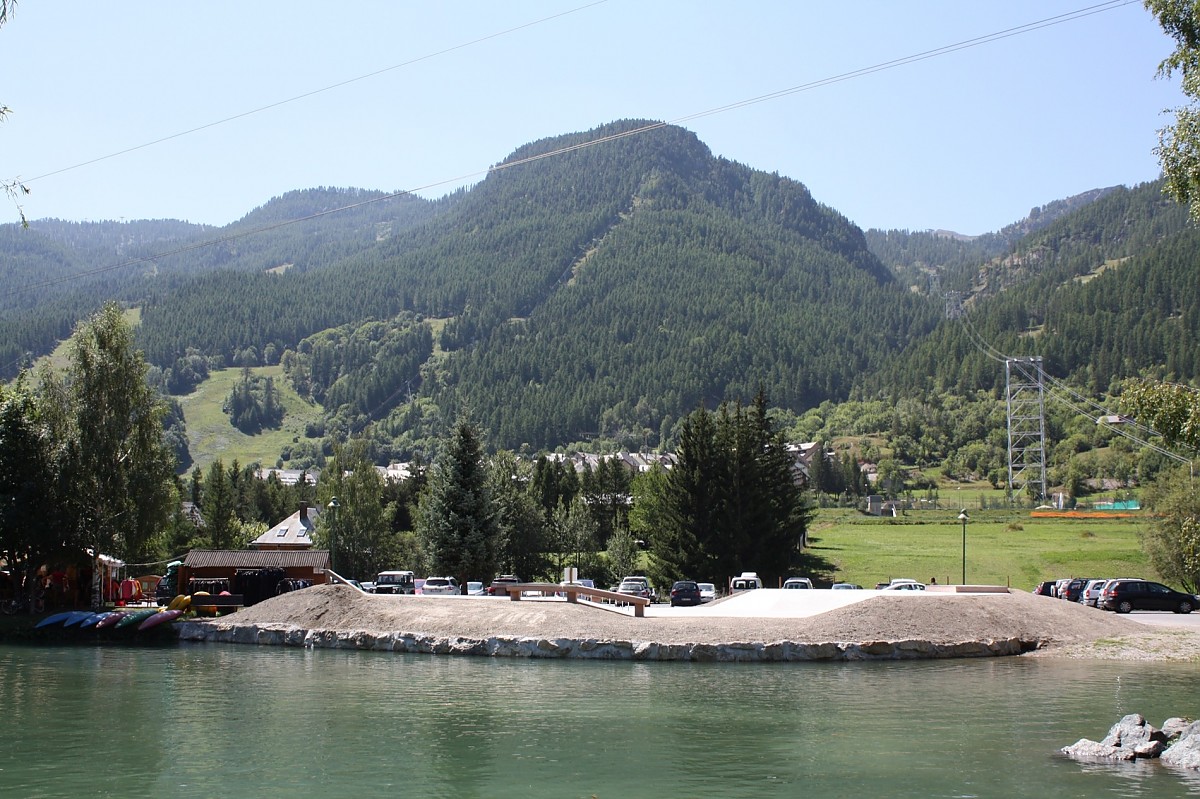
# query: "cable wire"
[[940, 51]]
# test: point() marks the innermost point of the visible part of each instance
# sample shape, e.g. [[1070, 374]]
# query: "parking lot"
[[767, 603], [1190, 621]]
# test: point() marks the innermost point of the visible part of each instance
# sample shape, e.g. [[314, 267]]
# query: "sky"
[[205, 111]]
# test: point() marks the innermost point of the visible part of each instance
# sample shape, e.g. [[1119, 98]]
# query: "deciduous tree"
[[1179, 144], [117, 464]]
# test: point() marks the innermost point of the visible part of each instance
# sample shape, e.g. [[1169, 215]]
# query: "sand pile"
[[1053, 626]]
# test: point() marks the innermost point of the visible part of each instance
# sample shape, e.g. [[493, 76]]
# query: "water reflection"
[[206, 720]]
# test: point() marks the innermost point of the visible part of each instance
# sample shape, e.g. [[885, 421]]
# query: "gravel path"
[[1056, 628]]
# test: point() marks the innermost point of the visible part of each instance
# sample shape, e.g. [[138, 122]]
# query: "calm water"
[[237, 721]]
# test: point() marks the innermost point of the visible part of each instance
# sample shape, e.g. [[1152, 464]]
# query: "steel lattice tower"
[[1025, 386]]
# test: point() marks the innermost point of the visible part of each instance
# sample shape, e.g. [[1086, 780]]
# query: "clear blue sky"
[[968, 141]]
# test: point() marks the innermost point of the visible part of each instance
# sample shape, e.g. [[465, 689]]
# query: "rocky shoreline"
[[592, 648], [881, 628]]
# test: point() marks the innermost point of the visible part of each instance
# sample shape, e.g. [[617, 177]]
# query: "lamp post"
[[333, 519], [963, 517]]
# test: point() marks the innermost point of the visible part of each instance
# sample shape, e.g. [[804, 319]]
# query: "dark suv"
[[499, 586], [1126, 595], [1074, 588], [685, 592]]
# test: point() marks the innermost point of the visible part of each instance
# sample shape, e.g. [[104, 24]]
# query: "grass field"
[[212, 436], [1002, 547]]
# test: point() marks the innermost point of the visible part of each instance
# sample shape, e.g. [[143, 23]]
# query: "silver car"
[[439, 585], [1091, 592]]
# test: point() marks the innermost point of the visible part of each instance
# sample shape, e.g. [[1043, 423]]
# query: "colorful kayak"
[[110, 620], [159, 618], [136, 617], [95, 619], [180, 602], [76, 617], [57, 618]]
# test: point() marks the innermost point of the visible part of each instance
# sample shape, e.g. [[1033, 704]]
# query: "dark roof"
[[257, 559]]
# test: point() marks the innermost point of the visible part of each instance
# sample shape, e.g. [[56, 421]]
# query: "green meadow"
[[212, 436], [1003, 547]]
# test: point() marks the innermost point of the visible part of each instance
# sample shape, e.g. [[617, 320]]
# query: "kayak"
[[76, 617], [180, 602], [111, 619], [159, 618], [136, 617], [57, 618], [95, 619]]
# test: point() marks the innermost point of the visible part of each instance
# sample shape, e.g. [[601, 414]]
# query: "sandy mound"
[[1055, 626]]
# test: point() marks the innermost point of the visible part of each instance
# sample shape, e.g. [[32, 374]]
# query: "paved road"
[[782, 604], [1158, 619], [779, 603]]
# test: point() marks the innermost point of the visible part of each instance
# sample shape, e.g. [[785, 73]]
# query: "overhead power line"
[[314, 92], [845, 76]]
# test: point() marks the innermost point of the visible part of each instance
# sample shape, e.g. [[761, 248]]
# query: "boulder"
[[1132, 731], [1185, 752], [1129, 739], [1174, 727]]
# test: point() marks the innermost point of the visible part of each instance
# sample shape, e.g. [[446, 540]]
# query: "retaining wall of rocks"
[[591, 648]]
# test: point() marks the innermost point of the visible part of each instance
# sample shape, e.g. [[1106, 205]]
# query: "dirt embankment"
[[1056, 628]]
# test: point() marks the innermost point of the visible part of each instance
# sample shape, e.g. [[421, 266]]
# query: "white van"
[[396, 582], [797, 582], [746, 581]]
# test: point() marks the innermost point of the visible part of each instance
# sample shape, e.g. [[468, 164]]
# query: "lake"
[[207, 720]]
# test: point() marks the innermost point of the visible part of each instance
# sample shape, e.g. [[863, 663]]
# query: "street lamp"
[[333, 507], [963, 517]]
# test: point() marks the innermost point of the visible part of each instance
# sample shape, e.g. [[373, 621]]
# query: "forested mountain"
[[57, 272], [941, 260], [606, 292], [1107, 292]]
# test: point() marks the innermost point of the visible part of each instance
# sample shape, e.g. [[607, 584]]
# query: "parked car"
[[1045, 588], [1107, 583], [1073, 588], [847, 587], [582, 581], [746, 581], [440, 586], [1090, 594], [395, 582], [708, 592], [904, 585], [635, 586], [797, 582], [500, 584], [475, 588], [685, 592], [1124, 596], [368, 586]]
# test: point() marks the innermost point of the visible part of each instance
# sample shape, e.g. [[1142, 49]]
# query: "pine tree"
[[456, 519], [218, 506]]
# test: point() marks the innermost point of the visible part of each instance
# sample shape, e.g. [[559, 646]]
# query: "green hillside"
[[211, 435], [596, 297]]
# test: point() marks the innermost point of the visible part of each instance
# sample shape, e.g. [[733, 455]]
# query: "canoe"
[[57, 618], [110, 620], [136, 617], [159, 618]]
